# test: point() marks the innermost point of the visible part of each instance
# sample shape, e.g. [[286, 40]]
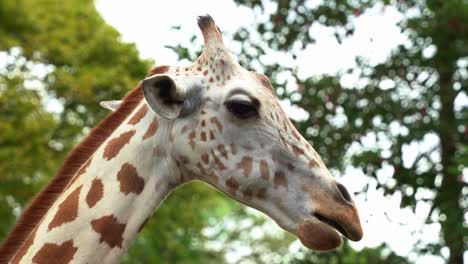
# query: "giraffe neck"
[[111, 196]]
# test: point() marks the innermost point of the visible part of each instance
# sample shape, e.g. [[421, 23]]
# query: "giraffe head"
[[227, 128]]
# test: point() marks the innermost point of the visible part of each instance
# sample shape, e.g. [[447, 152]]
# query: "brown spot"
[[247, 194], [217, 161], [261, 194], [95, 193], [129, 179], [232, 185], [313, 163], [184, 129], [191, 138], [203, 136], [24, 248], [203, 123], [280, 180], [211, 79], [212, 136], [157, 151], [217, 77], [203, 112], [245, 165], [214, 120], [205, 72], [67, 210], [114, 145], [233, 148], [110, 230], [222, 150], [264, 170], [199, 68], [290, 166], [54, 253], [138, 115], [297, 150], [205, 158], [153, 127]]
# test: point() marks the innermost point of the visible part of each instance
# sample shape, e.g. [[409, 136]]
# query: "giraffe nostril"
[[344, 192]]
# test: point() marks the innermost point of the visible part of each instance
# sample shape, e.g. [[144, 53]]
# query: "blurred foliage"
[[348, 255]]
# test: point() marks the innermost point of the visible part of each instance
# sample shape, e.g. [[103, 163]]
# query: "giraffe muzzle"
[[321, 231], [346, 227], [334, 214]]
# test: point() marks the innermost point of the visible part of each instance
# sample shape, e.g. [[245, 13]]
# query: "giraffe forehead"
[[211, 72], [258, 85], [222, 73]]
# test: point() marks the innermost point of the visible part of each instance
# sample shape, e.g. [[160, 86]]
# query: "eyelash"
[[241, 108]]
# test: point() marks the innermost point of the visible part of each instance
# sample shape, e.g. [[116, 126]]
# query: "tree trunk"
[[450, 191]]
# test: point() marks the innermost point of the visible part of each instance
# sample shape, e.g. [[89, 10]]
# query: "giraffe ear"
[[163, 95], [111, 105]]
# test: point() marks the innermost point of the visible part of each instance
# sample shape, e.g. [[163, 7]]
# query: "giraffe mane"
[[41, 203]]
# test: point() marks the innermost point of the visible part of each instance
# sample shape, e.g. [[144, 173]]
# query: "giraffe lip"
[[332, 223]]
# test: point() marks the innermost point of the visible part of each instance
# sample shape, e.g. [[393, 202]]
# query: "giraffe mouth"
[[322, 232], [337, 226]]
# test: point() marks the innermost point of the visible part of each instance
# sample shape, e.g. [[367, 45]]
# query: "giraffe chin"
[[318, 236]]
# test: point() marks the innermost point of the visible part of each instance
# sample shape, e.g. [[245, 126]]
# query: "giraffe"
[[212, 121]]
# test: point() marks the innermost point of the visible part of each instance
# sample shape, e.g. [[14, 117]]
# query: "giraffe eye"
[[241, 108]]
